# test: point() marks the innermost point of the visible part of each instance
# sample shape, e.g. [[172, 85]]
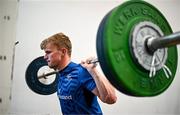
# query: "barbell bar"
[[152, 44], [136, 50], [44, 75], [166, 41], [47, 74]]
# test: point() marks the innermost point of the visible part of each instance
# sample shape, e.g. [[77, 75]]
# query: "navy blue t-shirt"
[[74, 91]]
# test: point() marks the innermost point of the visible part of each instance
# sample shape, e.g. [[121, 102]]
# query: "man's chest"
[[68, 86]]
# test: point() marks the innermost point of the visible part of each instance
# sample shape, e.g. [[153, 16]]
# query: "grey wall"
[[38, 19]]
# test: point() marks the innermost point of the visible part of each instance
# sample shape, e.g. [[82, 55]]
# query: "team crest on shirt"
[[69, 76]]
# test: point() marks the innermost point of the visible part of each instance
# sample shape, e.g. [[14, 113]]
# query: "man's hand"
[[90, 63]]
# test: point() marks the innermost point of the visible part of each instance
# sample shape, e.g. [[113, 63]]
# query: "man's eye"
[[47, 52]]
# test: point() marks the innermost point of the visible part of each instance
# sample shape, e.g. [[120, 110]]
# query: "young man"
[[79, 85]]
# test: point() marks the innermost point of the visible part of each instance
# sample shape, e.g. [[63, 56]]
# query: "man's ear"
[[64, 51]]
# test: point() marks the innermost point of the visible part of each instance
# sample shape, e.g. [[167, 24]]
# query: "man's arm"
[[104, 90]]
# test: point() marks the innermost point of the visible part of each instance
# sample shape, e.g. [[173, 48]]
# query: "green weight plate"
[[114, 50]]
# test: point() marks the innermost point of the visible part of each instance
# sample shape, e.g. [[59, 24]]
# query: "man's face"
[[53, 56]]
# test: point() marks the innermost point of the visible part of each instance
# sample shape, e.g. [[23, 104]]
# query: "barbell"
[[136, 50]]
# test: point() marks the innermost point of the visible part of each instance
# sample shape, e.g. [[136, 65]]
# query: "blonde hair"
[[60, 40]]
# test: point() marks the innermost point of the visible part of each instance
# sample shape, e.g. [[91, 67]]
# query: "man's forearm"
[[106, 91]]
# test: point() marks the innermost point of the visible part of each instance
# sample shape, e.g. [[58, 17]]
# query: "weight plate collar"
[[138, 39]]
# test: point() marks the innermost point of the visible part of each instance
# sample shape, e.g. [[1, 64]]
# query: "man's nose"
[[45, 57]]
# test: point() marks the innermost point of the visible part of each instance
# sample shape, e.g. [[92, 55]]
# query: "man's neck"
[[64, 63]]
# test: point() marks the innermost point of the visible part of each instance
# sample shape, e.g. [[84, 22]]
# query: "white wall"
[[38, 19], [8, 13]]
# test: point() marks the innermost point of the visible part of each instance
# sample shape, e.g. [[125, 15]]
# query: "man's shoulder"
[[77, 67]]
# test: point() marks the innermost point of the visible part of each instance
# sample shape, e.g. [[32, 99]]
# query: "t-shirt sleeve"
[[87, 80]]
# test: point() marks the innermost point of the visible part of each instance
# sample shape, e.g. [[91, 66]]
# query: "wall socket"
[[3, 57], [0, 100]]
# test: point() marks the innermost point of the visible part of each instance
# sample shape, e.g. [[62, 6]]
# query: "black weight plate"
[[32, 80]]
